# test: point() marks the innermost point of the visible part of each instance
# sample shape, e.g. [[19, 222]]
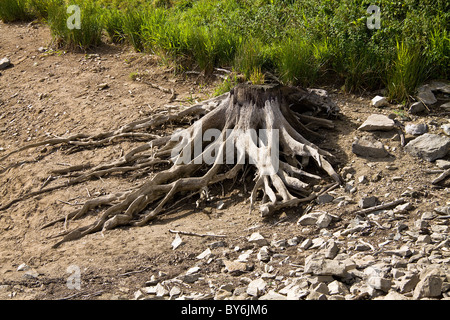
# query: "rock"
[[307, 220], [175, 291], [446, 129], [102, 86], [263, 254], [379, 101], [331, 250], [324, 198], [258, 239], [407, 283], [279, 243], [272, 295], [205, 254], [367, 147], [416, 107], [440, 86], [444, 210], [426, 95], [324, 267], [368, 202], [429, 287], [161, 290], [377, 122], [324, 220], [393, 295], [4, 63], [244, 256], [379, 283], [235, 268], [416, 129], [256, 287], [429, 146], [337, 287], [177, 242], [23, 267], [306, 244], [445, 106]]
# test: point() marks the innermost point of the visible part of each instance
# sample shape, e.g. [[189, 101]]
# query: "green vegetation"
[[302, 42]]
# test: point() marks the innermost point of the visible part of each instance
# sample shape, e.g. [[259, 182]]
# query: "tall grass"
[[15, 10], [89, 35], [301, 41], [408, 70]]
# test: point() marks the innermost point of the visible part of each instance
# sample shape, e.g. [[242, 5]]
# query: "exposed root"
[[258, 126]]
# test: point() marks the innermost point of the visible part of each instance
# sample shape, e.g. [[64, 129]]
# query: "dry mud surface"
[[48, 93]]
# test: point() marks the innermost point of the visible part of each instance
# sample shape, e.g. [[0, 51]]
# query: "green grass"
[[15, 10], [302, 42]]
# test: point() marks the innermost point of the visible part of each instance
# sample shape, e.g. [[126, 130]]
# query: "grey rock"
[[324, 198], [272, 295], [324, 220], [331, 250], [416, 107], [368, 202], [416, 129], [377, 122], [426, 95], [440, 86], [446, 129], [393, 295], [4, 63], [428, 287], [263, 254], [325, 267], [443, 164], [379, 283], [258, 239], [429, 147], [444, 210], [337, 287], [367, 147], [407, 283], [256, 287], [379, 101], [307, 220], [445, 106]]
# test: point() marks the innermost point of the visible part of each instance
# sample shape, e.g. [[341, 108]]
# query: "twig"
[[197, 234], [380, 207], [442, 177]]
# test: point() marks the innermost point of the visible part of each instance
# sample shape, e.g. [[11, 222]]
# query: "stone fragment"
[[324, 198], [425, 95], [272, 295], [258, 239], [324, 267], [379, 101], [337, 287], [377, 122], [429, 147], [379, 283], [367, 147], [443, 164], [235, 268], [416, 129], [324, 220], [368, 202], [428, 287], [416, 107], [263, 254], [4, 63], [256, 287]]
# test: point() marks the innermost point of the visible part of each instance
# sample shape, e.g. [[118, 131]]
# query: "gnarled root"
[[261, 126]]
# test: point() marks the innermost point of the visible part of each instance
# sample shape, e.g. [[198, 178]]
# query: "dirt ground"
[[52, 92]]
